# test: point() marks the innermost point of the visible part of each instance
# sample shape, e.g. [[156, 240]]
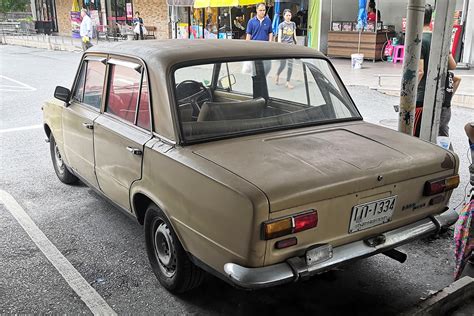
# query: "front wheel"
[[168, 259], [59, 167]]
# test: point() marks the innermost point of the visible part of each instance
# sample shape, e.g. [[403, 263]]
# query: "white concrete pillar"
[[468, 53]]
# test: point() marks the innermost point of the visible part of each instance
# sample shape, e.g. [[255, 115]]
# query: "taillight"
[[305, 221], [439, 186], [289, 225]]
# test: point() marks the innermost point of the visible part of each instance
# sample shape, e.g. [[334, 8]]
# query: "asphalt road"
[[107, 248]]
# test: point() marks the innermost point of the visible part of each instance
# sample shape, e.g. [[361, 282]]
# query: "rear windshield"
[[234, 98]]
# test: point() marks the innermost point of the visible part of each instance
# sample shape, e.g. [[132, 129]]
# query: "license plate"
[[371, 214]]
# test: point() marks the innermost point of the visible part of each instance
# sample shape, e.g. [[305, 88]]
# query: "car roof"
[[160, 56], [170, 52]]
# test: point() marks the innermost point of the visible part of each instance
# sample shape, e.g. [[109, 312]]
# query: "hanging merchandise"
[[464, 238], [75, 6]]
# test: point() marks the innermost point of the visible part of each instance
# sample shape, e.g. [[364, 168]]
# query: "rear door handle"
[[134, 151], [88, 125]]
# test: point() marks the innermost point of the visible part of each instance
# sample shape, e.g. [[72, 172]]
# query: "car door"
[[78, 118], [122, 131]]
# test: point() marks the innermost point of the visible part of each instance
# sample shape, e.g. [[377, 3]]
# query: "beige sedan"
[[256, 182]]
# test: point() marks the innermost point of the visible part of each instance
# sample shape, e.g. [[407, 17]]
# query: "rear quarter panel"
[[216, 214]]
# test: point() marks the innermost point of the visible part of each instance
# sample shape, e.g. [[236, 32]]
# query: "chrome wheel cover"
[[58, 159], [165, 251]]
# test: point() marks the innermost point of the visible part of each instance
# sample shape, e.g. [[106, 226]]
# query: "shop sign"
[[94, 14], [129, 10], [455, 37], [75, 23]]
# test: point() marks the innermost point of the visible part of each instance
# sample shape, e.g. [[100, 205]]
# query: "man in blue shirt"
[[259, 28]]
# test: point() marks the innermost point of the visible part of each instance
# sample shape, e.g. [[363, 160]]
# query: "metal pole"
[[414, 29], [468, 34], [230, 22], [437, 67], [330, 19]]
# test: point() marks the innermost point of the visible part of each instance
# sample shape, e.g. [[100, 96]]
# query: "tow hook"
[[375, 241]]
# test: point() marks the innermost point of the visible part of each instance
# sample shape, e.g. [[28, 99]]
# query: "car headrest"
[[222, 111]]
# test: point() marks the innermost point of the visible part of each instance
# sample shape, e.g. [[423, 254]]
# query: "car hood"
[[306, 165]]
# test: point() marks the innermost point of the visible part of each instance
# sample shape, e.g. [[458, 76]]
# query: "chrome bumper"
[[296, 267]]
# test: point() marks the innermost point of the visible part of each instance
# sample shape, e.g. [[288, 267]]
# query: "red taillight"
[[289, 225], [439, 186], [305, 221]]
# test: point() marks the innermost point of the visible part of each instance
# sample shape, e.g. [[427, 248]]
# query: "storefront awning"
[[181, 3], [223, 3]]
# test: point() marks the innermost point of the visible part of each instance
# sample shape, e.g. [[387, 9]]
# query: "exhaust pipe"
[[396, 255]]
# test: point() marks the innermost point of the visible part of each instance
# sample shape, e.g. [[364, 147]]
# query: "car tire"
[[60, 167], [169, 261]]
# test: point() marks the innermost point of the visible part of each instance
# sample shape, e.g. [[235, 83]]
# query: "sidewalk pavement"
[[386, 77], [381, 76], [457, 299]]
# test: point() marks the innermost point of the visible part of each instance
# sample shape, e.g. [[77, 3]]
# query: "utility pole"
[[437, 68], [414, 29]]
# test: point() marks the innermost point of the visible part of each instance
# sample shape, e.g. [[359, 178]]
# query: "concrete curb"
[[442, 302], [463, 100], [42, 44]]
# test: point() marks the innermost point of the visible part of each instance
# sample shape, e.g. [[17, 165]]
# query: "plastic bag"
[[136, 30], [248, 68]]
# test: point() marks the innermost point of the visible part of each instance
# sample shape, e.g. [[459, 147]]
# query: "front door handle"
[[134, 151], [88, 125]]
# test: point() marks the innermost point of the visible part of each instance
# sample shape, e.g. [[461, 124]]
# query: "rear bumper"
[[296, 267]]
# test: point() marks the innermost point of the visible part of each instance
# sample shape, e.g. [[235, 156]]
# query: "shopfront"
[[119, 11], [227, 19], [45, 15]]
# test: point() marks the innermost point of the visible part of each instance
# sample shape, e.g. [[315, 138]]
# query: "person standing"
[[138, 22], [86, 30], [286, 35], [373, 13], [423, 71], [259, 28]]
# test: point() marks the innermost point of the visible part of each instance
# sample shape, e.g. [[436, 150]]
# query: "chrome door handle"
[[88, 125], [134, 151]]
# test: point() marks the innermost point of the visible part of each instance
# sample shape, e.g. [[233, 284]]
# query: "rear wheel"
[[59, 167], [168, 259]]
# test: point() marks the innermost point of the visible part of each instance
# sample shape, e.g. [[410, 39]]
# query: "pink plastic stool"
[[398, 53]]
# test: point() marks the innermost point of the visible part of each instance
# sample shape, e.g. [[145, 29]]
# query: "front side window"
[[94, 86], [79, 88], [244, 97]]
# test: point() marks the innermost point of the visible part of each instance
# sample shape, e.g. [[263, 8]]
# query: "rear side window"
[[123, 92], [94, 83]]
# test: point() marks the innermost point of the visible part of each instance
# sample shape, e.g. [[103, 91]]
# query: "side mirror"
[[226, 82], [63, 94]]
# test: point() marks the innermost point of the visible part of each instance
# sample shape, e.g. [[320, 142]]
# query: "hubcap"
[[164, 250], [58, 159]]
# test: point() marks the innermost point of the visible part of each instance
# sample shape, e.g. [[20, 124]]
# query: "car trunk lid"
[[307, 165]]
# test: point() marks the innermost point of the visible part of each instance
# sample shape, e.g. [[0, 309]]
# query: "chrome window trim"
[[128, 64], [164, 139], [96, 58]]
